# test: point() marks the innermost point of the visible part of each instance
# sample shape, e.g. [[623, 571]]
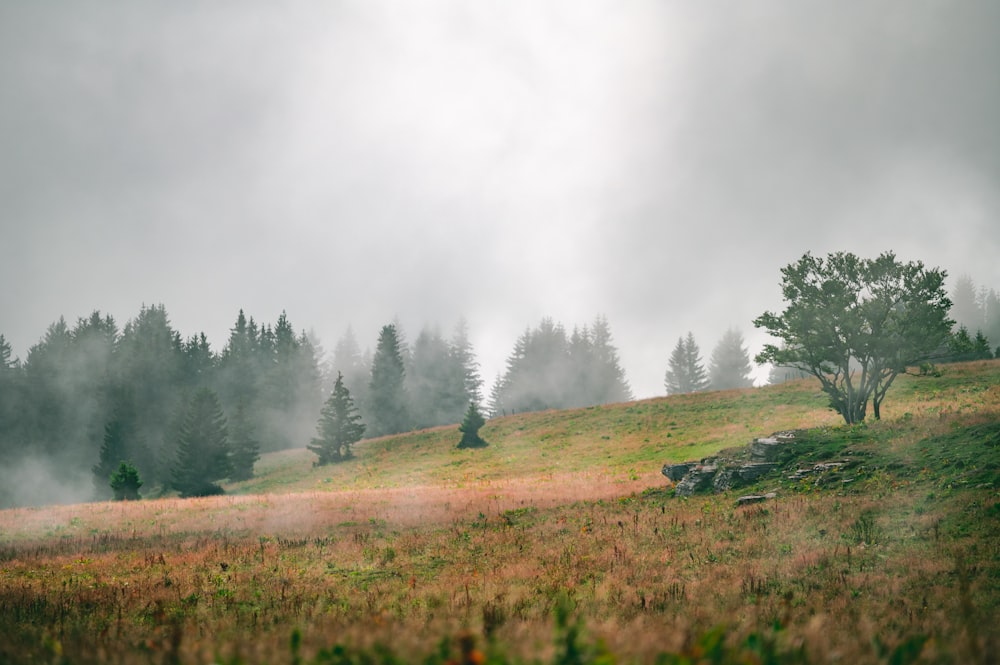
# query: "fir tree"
[[125, 482], [120, 441], [730, 364], [339, 426], [243, 446], [387, 412], [470, 428], [202, 447], [685, 372]]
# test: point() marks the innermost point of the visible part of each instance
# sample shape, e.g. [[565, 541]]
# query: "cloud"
[[351, 162]]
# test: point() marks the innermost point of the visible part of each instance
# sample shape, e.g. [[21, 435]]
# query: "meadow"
[[559, 543]]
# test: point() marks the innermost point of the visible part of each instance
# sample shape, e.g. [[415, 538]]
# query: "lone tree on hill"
[[470, 428], [125, 482], [855, 324], [202, 448], [339, 426]]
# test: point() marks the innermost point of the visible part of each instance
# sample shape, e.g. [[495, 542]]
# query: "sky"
[[355, 163]]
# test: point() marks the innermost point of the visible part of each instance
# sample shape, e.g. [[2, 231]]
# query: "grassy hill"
[[560, 542]]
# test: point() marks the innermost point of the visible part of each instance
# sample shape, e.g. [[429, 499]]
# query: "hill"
[[559, 542]]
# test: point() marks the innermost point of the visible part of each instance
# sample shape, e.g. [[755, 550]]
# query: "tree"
[[966, 309], [121, 440], [855, 324], [202, 447], [244, 449], [386, 392], [339, 426], [125, 482], [730, 366], [685, 371], [464, 360], [470, 428], [348, 360]]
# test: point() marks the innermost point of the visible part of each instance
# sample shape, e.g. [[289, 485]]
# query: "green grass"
[[559, 543]]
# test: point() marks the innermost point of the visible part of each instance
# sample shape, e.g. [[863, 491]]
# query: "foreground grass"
[[590, 560]]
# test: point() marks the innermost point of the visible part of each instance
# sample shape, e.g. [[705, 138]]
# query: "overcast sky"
[[354, 162]]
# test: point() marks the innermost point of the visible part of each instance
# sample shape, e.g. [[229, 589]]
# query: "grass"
[[560, 543]]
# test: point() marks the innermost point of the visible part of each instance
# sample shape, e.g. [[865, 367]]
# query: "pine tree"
[[202, 447], [339, 426], [465, 358], [243, 446], [125, 482], [470, 428], [348, 360], [966, 309], [730, 364], [685, 372], [387, 412], [608, 377], [433, 384], [981, 346]]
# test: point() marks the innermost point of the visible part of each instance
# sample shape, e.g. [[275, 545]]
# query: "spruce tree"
[[470, 428], [387, 408], [243, 446], [730, 364], [685, 372], [339, 426], [125, 482], [202, 447]]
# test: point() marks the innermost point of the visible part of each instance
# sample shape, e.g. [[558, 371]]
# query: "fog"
[[358, 162]]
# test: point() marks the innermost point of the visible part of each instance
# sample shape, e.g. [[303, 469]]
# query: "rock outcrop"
[[720, 474]]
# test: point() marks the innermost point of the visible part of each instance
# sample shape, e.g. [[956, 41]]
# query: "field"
[[559, 543]]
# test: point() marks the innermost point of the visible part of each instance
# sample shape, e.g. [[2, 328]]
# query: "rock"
[[697, 479], [748, 473], [754, 498], [768, 449], [677, 471], [723, 479]]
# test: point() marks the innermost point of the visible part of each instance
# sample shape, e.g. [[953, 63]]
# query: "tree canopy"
[[855, 324]]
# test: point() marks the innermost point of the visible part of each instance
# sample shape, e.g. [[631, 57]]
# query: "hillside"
[[560, 538]]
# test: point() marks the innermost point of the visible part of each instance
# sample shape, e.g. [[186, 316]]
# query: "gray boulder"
[[677, 471]]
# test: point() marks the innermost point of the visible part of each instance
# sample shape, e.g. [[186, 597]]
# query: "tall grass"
[[587, 561]]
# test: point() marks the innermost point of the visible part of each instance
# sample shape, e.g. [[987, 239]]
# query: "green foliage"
[[470, 428], [855, 324], [244, 448], [339, 426], [685, 371], [202, 447], [387, 397], [125, 482], [549, 370]]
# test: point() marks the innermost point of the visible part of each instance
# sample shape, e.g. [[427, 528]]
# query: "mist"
[[363, 162]]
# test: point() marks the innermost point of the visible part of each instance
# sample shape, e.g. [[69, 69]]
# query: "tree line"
[[183, 417]]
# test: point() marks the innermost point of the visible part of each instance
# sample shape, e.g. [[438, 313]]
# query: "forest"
[[91, 395]]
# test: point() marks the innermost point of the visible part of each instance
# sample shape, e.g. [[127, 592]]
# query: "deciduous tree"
[[855, 324]]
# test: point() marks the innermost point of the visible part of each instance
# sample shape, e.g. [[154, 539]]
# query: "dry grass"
[[899, 569]]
